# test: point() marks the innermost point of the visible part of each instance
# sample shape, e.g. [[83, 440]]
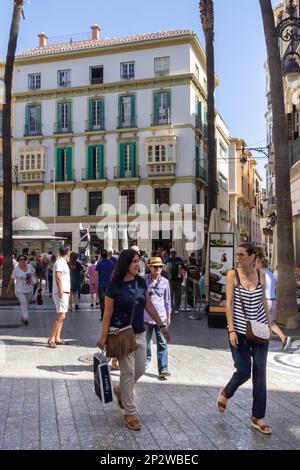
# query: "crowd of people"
[[131, 288]]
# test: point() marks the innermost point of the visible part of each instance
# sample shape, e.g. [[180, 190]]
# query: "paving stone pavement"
[[48, 402]]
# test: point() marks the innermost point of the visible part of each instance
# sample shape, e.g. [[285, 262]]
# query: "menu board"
[[221, 260]]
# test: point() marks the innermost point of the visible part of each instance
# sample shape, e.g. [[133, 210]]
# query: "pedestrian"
[[24, 278], [245, 292], [159, 290], [61, 295], [142, 265], [174, 266], [270, 289], [104, 269], [126, 295], [93, 282], [76, 271], [50, 274]]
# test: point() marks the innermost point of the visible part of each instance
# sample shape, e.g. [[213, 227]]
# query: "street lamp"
[[289, 31]]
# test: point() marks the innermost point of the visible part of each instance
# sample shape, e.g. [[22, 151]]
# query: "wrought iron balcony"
[[68, 176], [126, 123], [88, 175], [161, 119], [91, 127], [63, 127], [198, 123], [29, 130], [200, 171], [122, 173]]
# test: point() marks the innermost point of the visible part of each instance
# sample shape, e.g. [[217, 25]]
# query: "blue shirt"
[[270, 285], [123, 295], [104, 268]]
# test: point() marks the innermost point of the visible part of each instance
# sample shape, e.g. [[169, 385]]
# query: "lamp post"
[[289, 31]]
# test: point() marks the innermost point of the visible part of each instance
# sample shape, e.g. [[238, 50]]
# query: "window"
[[33, 120], [162, 196], [223, 182], [63, 204], [127, 111], [34, 81], [96, 74], [161, 153], [31, 163], [95, 200], [127, 70], [128, 202], [223, 214], [64, 78], [96, 114], [162, 108], [33, 205], [197, 71], [95, 162], [128, 160], [162, 65], [223, 152], [64, 169], [64, 123]]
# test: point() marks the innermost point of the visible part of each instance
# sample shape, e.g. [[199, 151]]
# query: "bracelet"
[[232, 331], [162, 326]]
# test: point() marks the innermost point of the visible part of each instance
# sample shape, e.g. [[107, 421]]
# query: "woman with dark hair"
[[76, 270], [245, 298], [125, 287]]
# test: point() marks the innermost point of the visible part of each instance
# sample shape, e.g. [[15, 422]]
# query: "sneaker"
[[287, 343], [164, 374]]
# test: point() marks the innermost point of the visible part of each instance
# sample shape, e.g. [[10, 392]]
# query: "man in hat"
[[159, 290]]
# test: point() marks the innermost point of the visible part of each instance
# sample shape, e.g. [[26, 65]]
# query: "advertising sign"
[[221, 260]]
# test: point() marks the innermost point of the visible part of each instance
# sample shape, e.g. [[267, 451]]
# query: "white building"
[[103, 118]]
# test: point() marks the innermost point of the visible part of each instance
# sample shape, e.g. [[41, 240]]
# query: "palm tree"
[[286, 292], [206, 8], [6, 133]]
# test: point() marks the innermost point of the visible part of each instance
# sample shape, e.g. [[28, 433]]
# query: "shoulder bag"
[[121, 341], [256, 332]]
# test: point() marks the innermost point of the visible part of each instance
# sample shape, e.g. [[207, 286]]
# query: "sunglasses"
[[156, 267]]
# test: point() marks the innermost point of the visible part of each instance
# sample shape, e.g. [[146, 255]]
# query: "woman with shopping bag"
[[125, 301]]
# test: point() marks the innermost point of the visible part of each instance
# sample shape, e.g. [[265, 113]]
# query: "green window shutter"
[[199, 112], [122, 160], [38, 119], [59, 115], [102, 113], [120, 112], [100, 162], [59, 163], [197, 161], [133, 159], [69, 163], [169, 105], [69, 115], [90, 119], [205, 116], [27, 119], [155, 108], [90, 172], [132, 109]]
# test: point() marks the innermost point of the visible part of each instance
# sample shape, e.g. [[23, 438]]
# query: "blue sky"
[[239, 44]]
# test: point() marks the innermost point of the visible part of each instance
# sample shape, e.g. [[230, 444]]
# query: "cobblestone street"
[[48, 402]]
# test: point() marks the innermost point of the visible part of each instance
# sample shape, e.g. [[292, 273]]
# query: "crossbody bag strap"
[[240, 295], [134, 301]]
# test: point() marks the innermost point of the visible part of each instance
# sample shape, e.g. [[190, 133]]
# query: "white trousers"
[[24, 300], [132, 367]]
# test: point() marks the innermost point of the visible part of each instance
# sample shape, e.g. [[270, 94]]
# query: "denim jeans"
[[101, 293], [242, 361], [162, 346]]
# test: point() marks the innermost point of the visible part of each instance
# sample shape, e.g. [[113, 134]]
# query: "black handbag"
[[39, 298], [102, 380], [85, 287]]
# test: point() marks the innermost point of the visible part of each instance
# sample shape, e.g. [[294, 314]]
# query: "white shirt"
[[61, 266], [23, 279]]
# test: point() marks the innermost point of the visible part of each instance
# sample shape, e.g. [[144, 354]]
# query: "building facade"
[[97, 120], [2, 67]]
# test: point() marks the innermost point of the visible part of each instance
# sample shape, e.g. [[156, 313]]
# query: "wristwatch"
[[162, 326]]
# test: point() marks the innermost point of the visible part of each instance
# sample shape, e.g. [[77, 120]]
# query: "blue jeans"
[[242, 362], [101, 293], [162, 347]]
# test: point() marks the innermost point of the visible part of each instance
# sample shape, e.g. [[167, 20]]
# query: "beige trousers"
[[132, 367]]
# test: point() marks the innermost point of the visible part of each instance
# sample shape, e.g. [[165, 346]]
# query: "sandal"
[[117, 393], [62, 342], [51, 344], [220, 404], [132, 422], [114, 364], [261, 426]]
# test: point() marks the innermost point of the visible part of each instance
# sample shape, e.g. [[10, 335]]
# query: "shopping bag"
[[102, 380]]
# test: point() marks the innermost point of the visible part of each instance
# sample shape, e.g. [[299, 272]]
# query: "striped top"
[[254, 309]]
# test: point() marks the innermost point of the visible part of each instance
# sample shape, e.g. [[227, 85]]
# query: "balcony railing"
[[161, 169], [35, 176], [87, 175], [161, 119], [91, 127], [70, 176], [63, 127], [127, 122], [132, 173], [200, 171], [64, 83], [29, 131], [96, 81]]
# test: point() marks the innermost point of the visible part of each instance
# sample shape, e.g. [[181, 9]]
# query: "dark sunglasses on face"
[[156, 267]]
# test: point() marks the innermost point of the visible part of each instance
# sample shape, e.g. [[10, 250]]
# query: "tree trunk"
[[207, 19], [6, 133], [286, 289]]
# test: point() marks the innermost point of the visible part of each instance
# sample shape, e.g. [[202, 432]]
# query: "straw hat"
[[155, 261]]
